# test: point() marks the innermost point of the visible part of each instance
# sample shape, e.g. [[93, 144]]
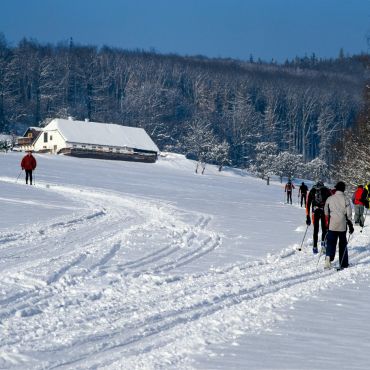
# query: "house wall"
[[25, 146], [54, 142], [100, 148], [26, 142], [111, 155]]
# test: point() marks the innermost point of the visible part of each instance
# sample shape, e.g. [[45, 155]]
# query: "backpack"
[[318, 200], [365, 195]]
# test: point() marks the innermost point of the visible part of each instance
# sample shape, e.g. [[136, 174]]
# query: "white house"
[[96, 140]]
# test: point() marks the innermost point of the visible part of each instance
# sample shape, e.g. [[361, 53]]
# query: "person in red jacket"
[[28, 164], [359, 205]]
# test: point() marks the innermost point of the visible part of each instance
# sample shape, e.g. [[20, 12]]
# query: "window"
[[111, 149], [51, 137], [29, 134], [45, 137]]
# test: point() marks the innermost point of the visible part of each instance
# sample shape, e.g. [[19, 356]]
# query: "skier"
[[28, 164], [359, 205], [366, 195], [288, 189], [338, 214], [303, 189], [316, 199]]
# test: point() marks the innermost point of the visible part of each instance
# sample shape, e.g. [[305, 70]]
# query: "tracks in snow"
[[116, 280]]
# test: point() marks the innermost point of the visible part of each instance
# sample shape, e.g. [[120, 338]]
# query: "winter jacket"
[[303, 189], [338, 211], [357, 196], [28, 162]]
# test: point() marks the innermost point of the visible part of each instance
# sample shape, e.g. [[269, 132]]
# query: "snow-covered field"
[[118, 265]]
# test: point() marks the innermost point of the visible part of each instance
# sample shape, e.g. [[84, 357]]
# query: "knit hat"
[[340, 186]]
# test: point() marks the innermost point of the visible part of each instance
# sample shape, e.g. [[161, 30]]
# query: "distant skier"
[[302, 192], [338, 215], [289, 189], [358, 205], [316, 200], [366, 195], [28, 164]]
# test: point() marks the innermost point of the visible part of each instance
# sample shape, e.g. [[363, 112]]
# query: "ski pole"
[[18, 176], [321, 250], [364, 220], [304, 236], [345, 251]]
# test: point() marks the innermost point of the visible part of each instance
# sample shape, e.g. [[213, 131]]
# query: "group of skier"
[[325, 207], [330, 209], [302, 192]]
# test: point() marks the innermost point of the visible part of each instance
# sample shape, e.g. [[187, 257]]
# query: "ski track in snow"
[[108, 286]]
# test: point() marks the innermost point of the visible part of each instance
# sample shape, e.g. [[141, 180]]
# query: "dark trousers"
[[331, 246], [289, 197], [318, 216], [303, 199], [28, 174]]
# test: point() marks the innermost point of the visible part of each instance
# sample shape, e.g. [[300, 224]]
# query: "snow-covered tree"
[[6, 143], [220, 154], [287, 165], [316, 169], [265, 159], [352, 165], [200, 142]]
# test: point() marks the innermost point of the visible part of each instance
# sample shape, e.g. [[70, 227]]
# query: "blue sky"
[[277, 29]]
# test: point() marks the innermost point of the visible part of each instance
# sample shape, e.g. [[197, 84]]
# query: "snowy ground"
[[119, 265]]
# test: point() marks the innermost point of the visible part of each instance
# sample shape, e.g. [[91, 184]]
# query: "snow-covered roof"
[[102, 134], [32, 128]]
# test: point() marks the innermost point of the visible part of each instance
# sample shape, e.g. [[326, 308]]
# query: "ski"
[[333, 268], [343, 268]]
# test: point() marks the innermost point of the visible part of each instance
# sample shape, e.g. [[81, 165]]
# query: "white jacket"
[[337, 207]]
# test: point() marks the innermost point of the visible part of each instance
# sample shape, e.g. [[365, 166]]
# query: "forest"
[[217, 110]]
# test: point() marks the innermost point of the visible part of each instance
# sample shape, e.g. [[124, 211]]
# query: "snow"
[[102, 134], [124, 265]]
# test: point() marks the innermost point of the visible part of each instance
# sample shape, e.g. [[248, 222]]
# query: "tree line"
[[217, 110], [353, 152]]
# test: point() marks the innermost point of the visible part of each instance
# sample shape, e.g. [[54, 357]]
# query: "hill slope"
[[128, 265]]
